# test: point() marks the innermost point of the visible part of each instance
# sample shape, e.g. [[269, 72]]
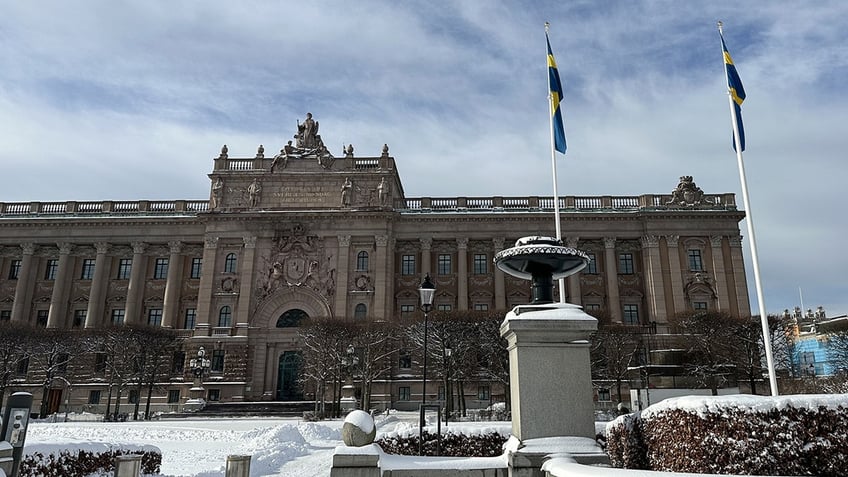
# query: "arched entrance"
[[288, 372]]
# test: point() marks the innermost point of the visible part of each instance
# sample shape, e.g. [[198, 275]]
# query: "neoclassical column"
[[378, 312], [500, 289], [678, 296], [245, 282], [23, 289], [342, 278], [426, 261], [575, 294], [462, 272], [173, 284], [740, 283], [135, 290], [207, 280], [719, 274], [96, 297], [58, 302], [611, 270], [654, 286]]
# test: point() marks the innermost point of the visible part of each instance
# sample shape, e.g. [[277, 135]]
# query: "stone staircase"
[[249, 409]]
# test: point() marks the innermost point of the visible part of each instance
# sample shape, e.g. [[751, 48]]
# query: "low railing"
[[106, 207], [583, 203]]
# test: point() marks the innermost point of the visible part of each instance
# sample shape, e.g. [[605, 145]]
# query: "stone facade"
[[308, 234]]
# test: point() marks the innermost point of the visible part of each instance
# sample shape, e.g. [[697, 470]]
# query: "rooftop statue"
[[307, 133]]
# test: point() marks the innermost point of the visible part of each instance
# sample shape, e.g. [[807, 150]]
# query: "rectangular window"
[[118, 316], [100, 361], [604, 395], [41, 318], [591, 307], [406, 310], [132, 398], [481, 264], [178, 364], [23, 366], [190, 318], [94, 397], [699, 305], [14, 269], [5, 315], [592, 267], [481, 307], [50, 271], [79, 318], [160, 271], [695, 261], [154, 317], [403, 393], [173, 396], [124, 268], [483, 393], [213, 395], [631, 314], [441, 395], [87, 269], [443, 264], [443, 307], [62, 360], [217, 361], [405, 360], [625, 263], [196, 266], [407, 265]]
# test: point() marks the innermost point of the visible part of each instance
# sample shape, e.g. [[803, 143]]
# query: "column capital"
[[138, 247], [65, 248], [101, 247], [382, 240], [175, 246], [572, 241], [672, 240], [462, 243], [715, 240], [735, 241], [344, 240], [28, 248], [649, 241], [426, 243], [249, 241], [609, 242], [210, 242], [498, 243]]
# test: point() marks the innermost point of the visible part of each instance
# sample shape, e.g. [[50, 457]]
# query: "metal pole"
[[423, 392]]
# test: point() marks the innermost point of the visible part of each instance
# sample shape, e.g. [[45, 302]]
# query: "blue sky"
[[131, 100]]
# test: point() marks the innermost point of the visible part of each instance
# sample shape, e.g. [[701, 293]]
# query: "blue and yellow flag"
[[737, 92], [556, 97]]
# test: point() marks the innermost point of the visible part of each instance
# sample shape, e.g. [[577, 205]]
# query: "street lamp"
[[199, 365], [427, 291], [448, 387], [350, 361]]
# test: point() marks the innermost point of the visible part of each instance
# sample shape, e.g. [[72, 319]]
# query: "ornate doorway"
[[288, 387]]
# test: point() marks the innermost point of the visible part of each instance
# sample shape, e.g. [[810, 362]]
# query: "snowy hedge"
[[83, 463], [788, 435]]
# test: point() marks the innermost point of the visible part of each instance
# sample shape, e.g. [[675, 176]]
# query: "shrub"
[[83, 463], [453, 445]]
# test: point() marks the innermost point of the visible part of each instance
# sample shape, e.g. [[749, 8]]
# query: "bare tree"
[[375, 344], [711, 345], [51, 350], [14, 345], [324, 343], [154, 347], [613, 352]]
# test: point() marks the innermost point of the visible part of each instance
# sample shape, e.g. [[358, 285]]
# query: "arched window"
[[362, 260], [359, 312], [230, 263], [291, 318], [225, 317]]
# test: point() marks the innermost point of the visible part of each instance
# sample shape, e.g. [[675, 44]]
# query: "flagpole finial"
[[547, 25], [720, 25]]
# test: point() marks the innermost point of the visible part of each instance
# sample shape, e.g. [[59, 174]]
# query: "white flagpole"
[[553, 166], [752, 240]]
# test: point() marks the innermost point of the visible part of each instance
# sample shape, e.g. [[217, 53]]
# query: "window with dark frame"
[[696, 263], [481, 307], [178, 362], [41, 317], [217, 361], [94, 397], [213, 395], [359, 312], [699, 305], [100, 362], [173, 396], [625, 263], [124, 268], [190, 318], [362, 261], [443, 307], [404, 360], [481, 264], [23, 366], [483, 393], [631, 314], [62, 360], [154, 317], [50, 270], [592, 267], [132, 397], [5, 315], [87, 269], [79, 318], [230, 263], [225, 317], [407, 265], [406, 310], [160, 271], [443, 264], [196, 268], [403, 393], [118, 316], [14, 269], [604, 395]]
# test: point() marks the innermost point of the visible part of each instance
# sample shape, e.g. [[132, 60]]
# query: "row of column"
[[57, 314]]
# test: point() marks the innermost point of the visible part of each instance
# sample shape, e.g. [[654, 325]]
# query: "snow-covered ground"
[[195, 447]]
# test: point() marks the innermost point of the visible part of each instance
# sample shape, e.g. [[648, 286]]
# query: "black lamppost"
[[199, 365], [448, 385], [427, 292], [350, 361]]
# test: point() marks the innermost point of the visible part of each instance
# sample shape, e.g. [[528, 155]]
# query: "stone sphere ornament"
[[358, 429]]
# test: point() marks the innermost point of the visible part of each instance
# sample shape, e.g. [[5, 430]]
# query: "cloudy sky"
[[132, 100]]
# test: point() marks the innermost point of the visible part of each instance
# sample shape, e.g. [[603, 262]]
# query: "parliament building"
[[302, 233]]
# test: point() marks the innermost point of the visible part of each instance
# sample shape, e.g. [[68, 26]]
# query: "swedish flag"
[[556, 97], [737, 92]]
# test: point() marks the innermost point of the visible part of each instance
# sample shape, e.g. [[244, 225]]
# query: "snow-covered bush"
[[788, 435], [83, 463], [452, 445]]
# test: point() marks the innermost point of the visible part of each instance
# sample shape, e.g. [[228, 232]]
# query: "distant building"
[[307, 234], [809, 338]]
